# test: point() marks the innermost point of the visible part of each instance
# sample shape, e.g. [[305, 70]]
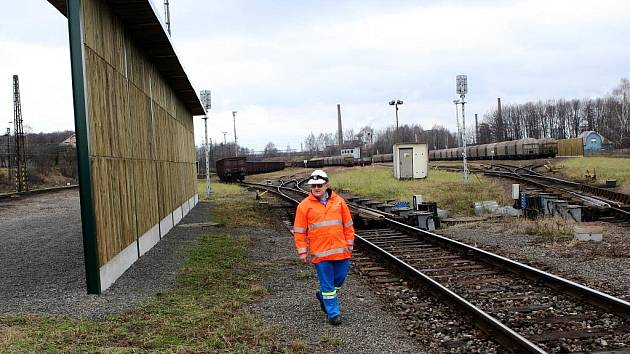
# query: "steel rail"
[[592, 296], [503, 334], [37, 191], [612, 304], [595, 201]]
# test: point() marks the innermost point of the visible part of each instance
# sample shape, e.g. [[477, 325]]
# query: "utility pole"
[[224, 140], [21, 180], [235, 141], [462, 90], [167, 16], [207, 104]]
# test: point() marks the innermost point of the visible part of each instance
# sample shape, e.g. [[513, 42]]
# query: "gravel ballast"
[[291, 306], [41, 264], [41, 260], [604, 266]]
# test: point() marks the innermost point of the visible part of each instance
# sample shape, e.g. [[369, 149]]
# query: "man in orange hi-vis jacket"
[[323, 223]]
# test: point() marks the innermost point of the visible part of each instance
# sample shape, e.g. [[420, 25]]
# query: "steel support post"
[[208, 188], [464, 141], [79, 88]]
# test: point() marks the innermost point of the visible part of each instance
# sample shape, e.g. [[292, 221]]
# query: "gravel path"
[[41, 260], [602, 265], [41, 269], [291, 305]]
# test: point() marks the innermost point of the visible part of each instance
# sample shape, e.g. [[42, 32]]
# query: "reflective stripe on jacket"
[[327, 230]]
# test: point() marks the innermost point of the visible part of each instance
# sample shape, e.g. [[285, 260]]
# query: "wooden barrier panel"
[[141, 145], [570, 147]]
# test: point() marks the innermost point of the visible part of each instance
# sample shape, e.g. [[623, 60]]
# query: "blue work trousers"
[[331, 275]]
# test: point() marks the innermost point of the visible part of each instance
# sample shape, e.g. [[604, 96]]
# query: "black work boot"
[[335, 321], [321, 301]]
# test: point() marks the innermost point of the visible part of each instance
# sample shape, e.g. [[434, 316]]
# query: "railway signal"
[[461, 82], [235, 141], [207, 104]]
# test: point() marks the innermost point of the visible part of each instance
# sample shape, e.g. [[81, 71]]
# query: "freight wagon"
[[515, 149], [236, 168]]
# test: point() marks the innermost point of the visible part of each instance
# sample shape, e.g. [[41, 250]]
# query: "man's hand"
[[303, 257]]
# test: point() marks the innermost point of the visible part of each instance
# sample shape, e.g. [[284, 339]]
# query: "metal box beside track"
[[411, 161]]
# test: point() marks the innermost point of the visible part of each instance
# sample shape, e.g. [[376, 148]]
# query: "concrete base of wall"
[[166, 224], [185, 208], [177, 215], [149, 239], [113, 269]]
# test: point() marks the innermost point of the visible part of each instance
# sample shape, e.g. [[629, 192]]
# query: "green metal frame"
[[88, 219]]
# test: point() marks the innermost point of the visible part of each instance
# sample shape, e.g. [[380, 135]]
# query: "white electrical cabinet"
[[411, 161]]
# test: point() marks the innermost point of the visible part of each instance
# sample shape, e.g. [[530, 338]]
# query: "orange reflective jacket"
[[327, 230]]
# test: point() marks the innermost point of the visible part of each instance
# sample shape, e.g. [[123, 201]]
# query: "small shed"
[[354, 152], [593, 141], [411, 161]]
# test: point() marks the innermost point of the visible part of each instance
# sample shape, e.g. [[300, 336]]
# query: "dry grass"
[[238, 206], [605, 168], [548, 229], [445, 188], [205, 313]]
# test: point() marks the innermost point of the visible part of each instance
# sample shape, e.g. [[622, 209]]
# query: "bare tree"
[[270, 150]]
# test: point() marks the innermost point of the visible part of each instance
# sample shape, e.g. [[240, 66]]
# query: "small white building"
[[354, 152], [411, 161]]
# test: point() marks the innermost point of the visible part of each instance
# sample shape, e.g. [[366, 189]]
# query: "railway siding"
[[407, 247]]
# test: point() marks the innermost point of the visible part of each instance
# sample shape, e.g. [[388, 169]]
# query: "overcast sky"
[[284, 65]]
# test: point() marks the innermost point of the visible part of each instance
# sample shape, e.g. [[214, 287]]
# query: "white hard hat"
[[318, 177]]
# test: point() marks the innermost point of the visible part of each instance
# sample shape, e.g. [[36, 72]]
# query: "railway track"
[[524, 309], [599, 203], [37, 191]]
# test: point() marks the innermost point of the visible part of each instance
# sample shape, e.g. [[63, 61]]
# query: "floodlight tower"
[[396, 103], [462, 90], [235, 141], [207, 104]]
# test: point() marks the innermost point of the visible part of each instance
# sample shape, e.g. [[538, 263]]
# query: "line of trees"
[[45, 157], [380, 141], [561, 119]]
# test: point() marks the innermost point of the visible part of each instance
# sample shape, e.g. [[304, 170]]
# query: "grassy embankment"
[[605, 168], [445, 188], [204, 313]]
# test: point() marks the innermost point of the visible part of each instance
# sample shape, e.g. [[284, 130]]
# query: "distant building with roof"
[[71, 141], [593, 141]]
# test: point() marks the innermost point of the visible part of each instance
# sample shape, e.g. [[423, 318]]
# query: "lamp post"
[[224, 140], [207, 104], [395, 103], [235, 141]]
